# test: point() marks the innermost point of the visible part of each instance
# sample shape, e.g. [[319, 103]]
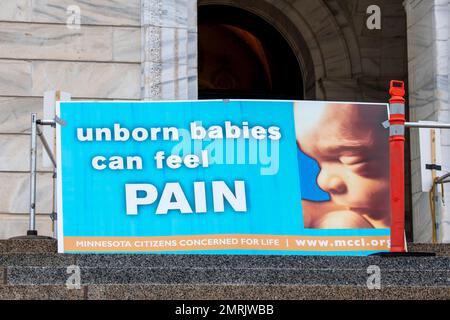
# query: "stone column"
[[169, 49], [428, 61]]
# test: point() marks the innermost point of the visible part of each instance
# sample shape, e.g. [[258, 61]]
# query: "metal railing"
[[437, 181], [36, 132]]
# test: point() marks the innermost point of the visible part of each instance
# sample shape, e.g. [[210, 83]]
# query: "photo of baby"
[[344, 154]]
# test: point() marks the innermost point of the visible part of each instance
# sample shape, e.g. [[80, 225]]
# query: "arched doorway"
[[243, 56]]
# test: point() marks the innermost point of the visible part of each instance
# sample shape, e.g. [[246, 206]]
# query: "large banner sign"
[[223, 177]]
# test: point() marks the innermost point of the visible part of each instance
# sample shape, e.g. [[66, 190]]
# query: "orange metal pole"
[[397, 164]]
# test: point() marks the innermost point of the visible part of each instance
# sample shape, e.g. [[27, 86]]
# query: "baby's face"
[[351, 147]]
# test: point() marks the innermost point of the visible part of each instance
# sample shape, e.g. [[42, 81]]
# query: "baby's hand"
[[314, 211], [342, 220]]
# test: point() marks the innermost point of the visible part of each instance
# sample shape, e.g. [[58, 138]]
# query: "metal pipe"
[[427, 125], [46, 147], [54, 211], [442, 179], [437, 214], [33, 153]]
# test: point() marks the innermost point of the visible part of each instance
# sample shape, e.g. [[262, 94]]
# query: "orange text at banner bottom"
[[226, 242]]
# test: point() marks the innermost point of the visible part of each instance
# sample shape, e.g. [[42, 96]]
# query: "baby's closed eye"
[[363, 166], [353, 160], [360, 165]]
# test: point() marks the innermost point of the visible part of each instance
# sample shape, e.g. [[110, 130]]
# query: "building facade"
[[337, 50]]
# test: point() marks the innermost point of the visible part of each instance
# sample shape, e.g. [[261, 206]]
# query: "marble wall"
[[121, 50], [38, 51], [428, 61]]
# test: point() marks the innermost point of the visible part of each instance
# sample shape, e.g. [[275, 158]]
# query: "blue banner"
[[223, 177]]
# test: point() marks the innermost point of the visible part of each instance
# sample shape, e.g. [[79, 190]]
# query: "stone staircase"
[[30, 269]]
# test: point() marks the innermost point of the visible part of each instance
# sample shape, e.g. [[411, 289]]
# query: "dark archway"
[[243, 56]]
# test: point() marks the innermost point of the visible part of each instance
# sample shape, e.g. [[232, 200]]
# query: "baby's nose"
[[331, 183]]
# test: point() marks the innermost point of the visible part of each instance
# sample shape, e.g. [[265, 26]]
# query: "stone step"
[[28, 246], [33, 270], [223, 261], [221, 291], [51, 269], [238, 276], [440, 249], [50, 246]]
